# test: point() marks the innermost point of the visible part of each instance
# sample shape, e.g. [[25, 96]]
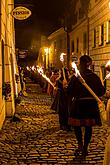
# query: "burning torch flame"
[[33, 68], [107, 76], [40, 70], [107, 66], [84, 83], [61, 57], [28, 68], [76, 70]]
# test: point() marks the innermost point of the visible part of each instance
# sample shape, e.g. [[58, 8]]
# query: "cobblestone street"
[[37, 138]]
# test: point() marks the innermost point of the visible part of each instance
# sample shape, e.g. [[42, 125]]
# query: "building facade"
[[90, 35], [57, 45], [99, 34], [79, 34], [8, 67]]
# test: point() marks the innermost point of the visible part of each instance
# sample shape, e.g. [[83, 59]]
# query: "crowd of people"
[[76, 106]]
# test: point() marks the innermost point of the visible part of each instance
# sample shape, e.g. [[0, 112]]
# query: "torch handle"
[[89, 89], [64, 74]]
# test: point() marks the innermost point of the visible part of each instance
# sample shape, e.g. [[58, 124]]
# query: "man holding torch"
[[84, 110]]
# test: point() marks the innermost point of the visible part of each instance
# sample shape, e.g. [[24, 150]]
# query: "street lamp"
[[46, 50], [109, 4]]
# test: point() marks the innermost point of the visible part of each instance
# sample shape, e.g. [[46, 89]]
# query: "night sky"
[[43, 21]]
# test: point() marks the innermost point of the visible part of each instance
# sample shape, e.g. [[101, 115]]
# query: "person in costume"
[[83, 107], [59, 104]]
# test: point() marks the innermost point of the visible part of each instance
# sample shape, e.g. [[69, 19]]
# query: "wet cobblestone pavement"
[[37, 139]]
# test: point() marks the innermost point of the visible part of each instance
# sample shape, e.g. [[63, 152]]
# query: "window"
[[101, 34], [72, 46], [3, 68], [55, 46], [75, 17], [81, 13], [84, 41], [108, 32], [65, 43], [77, 48]]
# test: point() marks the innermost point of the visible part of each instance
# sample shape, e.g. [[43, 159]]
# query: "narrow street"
[[36, 139]]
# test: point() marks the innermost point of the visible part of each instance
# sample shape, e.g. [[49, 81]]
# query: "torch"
[[40, 70], [62, 60], [107, 66], [100, 103]]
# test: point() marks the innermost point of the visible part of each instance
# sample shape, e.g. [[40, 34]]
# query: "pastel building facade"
[[99, 34], [91, 35], [57, 45], [8, 65]]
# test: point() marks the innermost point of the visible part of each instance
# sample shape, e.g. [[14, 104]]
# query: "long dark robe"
[[59, 104], [83, 107]]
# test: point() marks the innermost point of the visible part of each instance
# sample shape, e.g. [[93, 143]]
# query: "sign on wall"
[[21, 13]]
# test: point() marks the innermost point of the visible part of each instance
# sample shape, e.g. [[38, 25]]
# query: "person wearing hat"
[[84, 111]]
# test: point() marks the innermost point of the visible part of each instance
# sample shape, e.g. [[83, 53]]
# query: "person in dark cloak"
[[59, 104], [83, 108]]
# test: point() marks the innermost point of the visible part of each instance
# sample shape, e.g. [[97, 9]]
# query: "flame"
[[33, 68], [75, 68], [107, 64], [107, 76], [61, 57], [40, 70], [27, 68]]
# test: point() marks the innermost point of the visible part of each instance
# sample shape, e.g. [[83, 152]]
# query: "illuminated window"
[[108, 32], [101, 34]]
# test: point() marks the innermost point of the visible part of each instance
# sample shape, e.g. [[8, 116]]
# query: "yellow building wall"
[[99, 14], [77, 33], [9, 68]]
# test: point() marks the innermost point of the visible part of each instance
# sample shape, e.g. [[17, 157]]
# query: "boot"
[[85, 151], [79, 149]]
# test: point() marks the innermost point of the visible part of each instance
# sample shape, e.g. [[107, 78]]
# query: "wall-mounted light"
[[109, 4]]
